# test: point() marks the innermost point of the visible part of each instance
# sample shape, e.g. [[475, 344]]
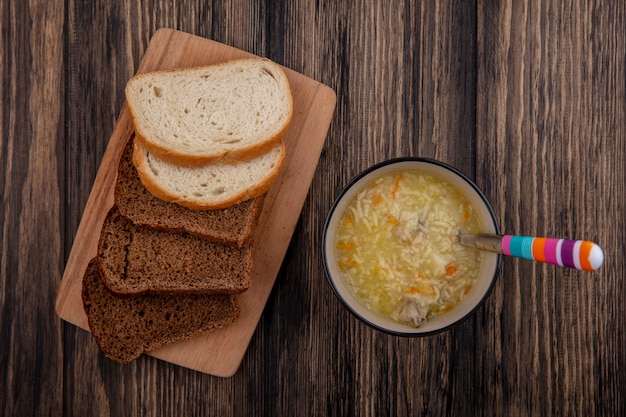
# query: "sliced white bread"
[[229, 112], [210, 187]]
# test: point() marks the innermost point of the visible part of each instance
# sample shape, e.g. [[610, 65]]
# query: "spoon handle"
[[579, 254]]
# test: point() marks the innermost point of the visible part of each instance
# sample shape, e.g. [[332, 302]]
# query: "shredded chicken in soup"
[[396, 251]]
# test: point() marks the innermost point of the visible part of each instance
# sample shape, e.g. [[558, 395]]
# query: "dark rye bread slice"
[[124, 328], [135, 260], [233, 226]]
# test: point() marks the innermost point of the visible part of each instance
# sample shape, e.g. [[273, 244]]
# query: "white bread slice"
[[229, 112], [210, 187]]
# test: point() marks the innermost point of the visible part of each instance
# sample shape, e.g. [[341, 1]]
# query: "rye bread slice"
[[124, 328], [233, 226], [135, 260]]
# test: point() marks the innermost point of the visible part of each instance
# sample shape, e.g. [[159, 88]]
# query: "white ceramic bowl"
[[488, 270]]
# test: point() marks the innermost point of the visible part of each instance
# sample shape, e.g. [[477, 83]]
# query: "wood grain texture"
[[32, 114], [527, 97], [552, 132]]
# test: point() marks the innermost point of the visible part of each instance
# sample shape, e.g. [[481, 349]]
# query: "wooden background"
[[527, 97]]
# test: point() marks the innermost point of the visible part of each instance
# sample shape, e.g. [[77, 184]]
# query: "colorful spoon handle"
[[579, 254]]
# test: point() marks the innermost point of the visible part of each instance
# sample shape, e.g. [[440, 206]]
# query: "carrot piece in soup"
[[342, 244]]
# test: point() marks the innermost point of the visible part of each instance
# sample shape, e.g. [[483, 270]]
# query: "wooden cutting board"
[[219, 353]]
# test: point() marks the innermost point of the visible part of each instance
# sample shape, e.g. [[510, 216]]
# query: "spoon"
[[578, 254]]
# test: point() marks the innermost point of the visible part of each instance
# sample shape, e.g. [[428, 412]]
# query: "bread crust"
[[139, 160], [191, 160]]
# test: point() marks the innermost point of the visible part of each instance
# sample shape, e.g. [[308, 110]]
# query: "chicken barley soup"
[[395, 246]]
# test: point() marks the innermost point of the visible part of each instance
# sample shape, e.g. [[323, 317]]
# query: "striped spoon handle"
[[579, 254]]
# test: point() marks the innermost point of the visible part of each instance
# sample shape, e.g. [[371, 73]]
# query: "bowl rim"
[[351, 184]]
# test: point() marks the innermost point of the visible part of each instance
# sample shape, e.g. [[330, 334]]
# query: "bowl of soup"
[[390, 250]]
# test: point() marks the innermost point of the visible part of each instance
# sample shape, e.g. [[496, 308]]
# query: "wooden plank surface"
[[220, 352], [552, 132], [32, 115], [527, 97]]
